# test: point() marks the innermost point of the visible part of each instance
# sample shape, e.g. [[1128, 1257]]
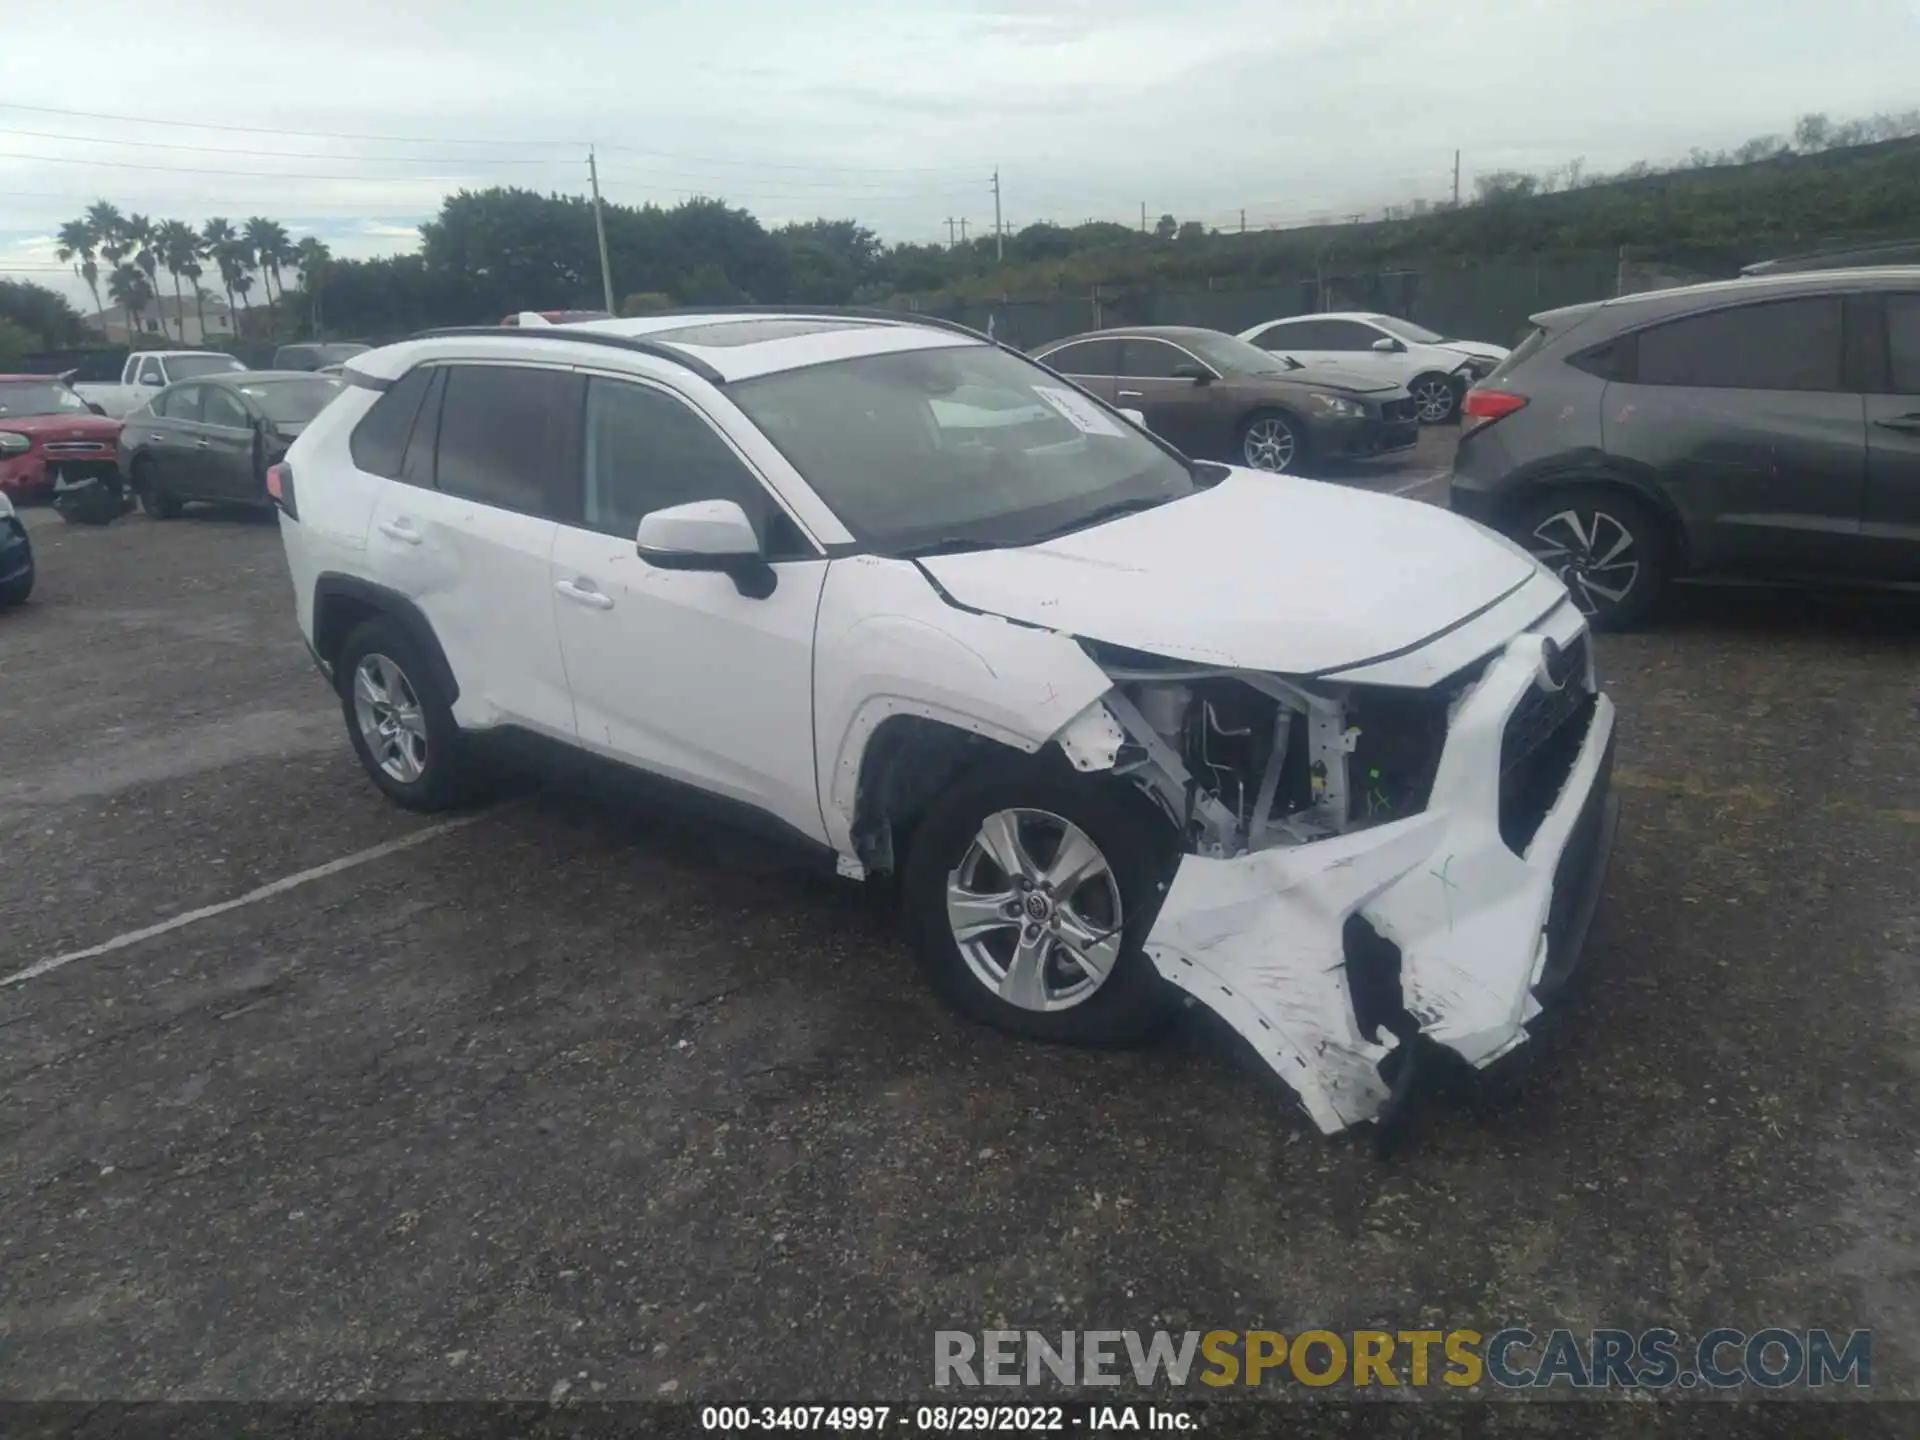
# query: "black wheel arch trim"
[[331, 589]]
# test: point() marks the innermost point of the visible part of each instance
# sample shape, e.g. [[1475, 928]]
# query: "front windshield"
[[48, 399], [1233, 356], [1407, 330], [185, 367], [292, 402], [961, 445]]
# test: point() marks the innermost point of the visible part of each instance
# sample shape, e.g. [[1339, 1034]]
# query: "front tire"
[[1028, 891], [154, 501], [400, 724], [15, 591], [1607, 547], [1272, 442], [1435, 400]]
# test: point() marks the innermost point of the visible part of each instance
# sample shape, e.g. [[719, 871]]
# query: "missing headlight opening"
[[1376, 879], [1242, 761]]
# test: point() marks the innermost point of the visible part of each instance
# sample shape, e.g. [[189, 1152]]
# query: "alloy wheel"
[[390, 719], [1269, 444], [1034, 907], [1593, 554], [1433, 399]]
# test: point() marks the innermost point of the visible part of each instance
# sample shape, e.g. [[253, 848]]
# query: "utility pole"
[[950, 232], [1143, 217], [963, 230], [600, 234], [1456, 179], [1243, 220], [999, 234]]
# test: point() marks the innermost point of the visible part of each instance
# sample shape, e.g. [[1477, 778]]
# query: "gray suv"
[[1765, 427]]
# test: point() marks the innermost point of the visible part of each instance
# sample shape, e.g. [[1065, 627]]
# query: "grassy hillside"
[[1713, 216]]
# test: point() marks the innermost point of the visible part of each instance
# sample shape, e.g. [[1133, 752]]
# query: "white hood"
[[1262, 572]]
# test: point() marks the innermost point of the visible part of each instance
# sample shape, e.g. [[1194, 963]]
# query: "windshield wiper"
[[1102, 514]]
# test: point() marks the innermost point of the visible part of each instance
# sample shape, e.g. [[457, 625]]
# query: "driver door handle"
[[395, 531], [583, 593]]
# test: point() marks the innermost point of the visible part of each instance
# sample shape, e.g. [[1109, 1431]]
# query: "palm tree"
[[128, 288], [313, 257], [178, 248], [77, 243], [193, 272], [242, 283], [258, 236], [109, 229], [217, 238], [140, 231]]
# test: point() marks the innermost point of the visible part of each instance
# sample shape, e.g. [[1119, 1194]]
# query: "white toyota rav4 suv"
[[1332, 763]]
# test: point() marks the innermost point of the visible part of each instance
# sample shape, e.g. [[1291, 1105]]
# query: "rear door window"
[[1778, 345], [505, 438], [1294, 335], [1089, 357]]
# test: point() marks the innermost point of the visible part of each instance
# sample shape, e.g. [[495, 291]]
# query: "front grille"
[[1394, 411], [57, 449], [1542, 740]]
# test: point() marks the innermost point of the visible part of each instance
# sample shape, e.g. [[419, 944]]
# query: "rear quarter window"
[[379, 441]]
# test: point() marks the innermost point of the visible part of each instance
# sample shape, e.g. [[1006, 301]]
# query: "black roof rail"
[[637, 344], [825, 312]]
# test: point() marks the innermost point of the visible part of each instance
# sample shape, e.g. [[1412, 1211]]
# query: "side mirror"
[[1388, 346], [707, 535], [1199, 374], [1136, 417], [154, 380]]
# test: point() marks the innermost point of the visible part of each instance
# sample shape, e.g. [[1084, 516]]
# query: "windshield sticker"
[[1078, 411]]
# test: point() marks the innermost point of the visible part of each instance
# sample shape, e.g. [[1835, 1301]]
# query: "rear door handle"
[[399, 532], [583, 593], [1908, 423], [204, 444]]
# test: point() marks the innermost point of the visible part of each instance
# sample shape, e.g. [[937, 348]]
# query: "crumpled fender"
[[1258, 938]]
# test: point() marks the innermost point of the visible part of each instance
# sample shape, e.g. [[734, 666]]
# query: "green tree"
[[313, 258], [41, 312], [140, 232], [179, 248], [257, 235], [1166, 228], [78, 244], [130, 289], [15, 342], [221, 245]]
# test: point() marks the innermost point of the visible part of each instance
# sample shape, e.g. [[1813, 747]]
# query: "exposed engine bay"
[[1370, 871]]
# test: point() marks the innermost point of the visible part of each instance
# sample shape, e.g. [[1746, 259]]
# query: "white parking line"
[[265, 892], [1412, 485]]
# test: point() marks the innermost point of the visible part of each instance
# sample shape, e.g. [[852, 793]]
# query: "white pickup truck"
[[147, 372]]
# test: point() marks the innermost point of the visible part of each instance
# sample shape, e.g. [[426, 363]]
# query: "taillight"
[[1483, 407], [280, 489]]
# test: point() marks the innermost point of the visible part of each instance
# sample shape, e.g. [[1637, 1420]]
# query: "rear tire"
[[156, 502], [1609, 548], [1020, 965], [400, 723]]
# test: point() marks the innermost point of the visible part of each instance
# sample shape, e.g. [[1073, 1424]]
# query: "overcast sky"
[[896, 114]]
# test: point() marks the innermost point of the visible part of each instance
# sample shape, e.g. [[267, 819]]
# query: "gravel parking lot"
[[559, 1099]]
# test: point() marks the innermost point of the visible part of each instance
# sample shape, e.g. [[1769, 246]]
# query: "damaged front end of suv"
[[1371, 869]]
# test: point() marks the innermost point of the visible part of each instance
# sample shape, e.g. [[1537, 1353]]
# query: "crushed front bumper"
[[1483, 933]]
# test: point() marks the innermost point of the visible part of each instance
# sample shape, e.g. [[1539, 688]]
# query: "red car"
[[47, 430]]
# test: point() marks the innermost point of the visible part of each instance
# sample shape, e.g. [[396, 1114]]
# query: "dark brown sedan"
[[1218, 398]]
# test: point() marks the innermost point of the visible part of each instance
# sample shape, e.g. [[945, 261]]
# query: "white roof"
[[763, 344]]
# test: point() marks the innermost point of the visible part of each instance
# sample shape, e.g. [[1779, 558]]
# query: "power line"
[[124, 119]]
